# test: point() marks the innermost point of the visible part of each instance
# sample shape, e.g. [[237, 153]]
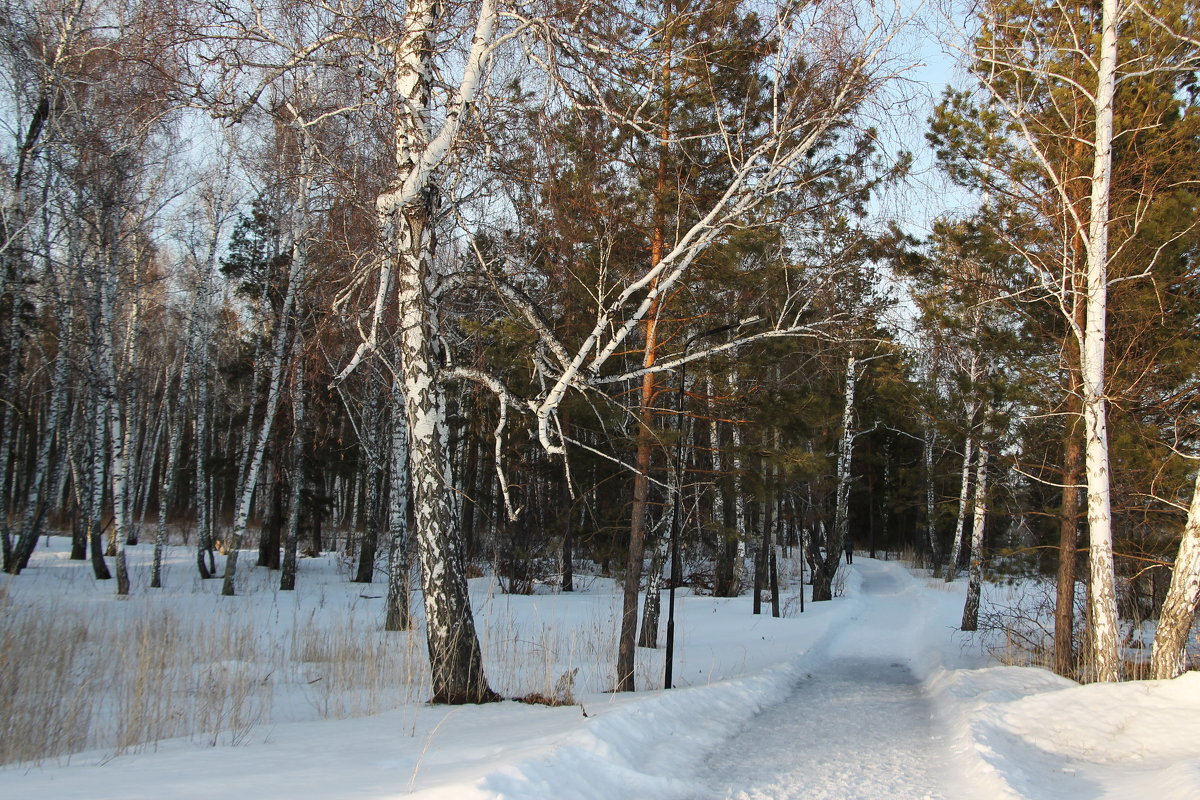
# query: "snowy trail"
[[858, 725]]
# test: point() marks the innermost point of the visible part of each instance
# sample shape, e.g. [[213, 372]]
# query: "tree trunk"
[[927, 443], [1102, 595], [454, 653], [249, 480], [270, 538], [964, 499], [287, 579], [626, 645], [1178, 612], [399, 615], [1068, 539], [826, 564], [970, 618], [564, 514], [725, 580], [373, 445], [738, 545], [653, 603]]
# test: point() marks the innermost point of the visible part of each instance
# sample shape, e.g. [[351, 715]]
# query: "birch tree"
[[1049, 73], [979, 510]]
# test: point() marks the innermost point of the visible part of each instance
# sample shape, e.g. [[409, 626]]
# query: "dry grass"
[[104, 679], [82, 673], [1018, 630]]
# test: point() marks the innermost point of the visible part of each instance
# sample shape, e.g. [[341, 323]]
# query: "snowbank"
[[1012, 732]]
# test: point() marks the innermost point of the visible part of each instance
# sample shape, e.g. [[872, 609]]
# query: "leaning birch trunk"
[[283, 338], [648, 637], [1102, 595], [964, 499], [35, 501], [399, 614], [1178, 611], [195, 333], [927, 444], [970, 618], [287, 577], [9, 419]]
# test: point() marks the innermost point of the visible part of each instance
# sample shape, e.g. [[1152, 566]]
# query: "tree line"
[[516, 285]]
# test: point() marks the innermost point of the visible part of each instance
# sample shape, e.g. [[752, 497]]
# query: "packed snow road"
[[857, 725]]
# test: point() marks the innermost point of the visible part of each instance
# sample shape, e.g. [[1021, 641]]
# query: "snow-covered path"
[[873, 695], [857, 725]]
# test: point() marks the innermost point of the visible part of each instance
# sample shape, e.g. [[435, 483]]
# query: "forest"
[[539, 288]]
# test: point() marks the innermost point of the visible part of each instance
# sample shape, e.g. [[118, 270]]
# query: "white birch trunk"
[[9, 422], [974, 373], [1178, 612], [827, 564], [283, 338], [1102, 594], [970, 618], [112, 416], [35, 499], [739, 503], [841, 527], [282, 348], [648, 637], [204, 532], [405, 211], [287, 578], [927, 444], [399, 615], [728, 579], [964, 499], [167, 483]]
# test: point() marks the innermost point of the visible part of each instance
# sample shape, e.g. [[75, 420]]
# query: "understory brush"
[[83, 670], [1016, 626]]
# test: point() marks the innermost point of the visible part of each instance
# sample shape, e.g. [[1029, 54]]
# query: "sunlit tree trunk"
[[1178, 612], [970, 618], [827, 563], [405, 212], [1102, 594]]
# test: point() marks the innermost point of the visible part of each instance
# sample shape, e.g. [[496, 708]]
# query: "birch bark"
[[399, 615], [405, 212], [1102, 595], [964, 501], [283, 344], [970, 618], [827, 563], [287, 577], [1178, 612]]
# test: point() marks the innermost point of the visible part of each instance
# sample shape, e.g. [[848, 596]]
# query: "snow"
[[872, 695]]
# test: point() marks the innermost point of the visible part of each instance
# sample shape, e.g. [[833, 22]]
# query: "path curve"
[[857, 725]]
